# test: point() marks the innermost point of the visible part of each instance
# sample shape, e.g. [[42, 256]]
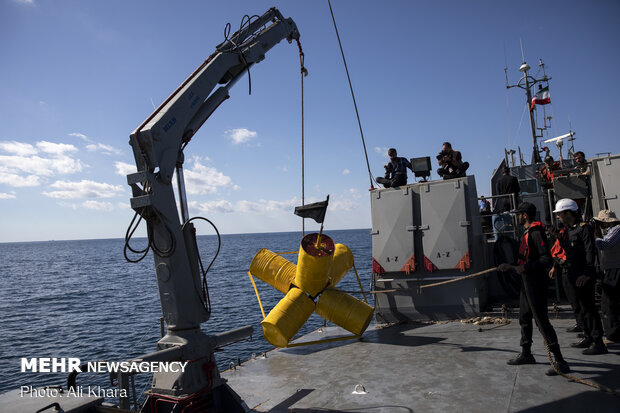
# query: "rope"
[[359, 123], [138, 342], [257, 296], [376, 291], [507, 110], [521, 121], [476, 274], [304, 73], [360, 284], [553, 365]]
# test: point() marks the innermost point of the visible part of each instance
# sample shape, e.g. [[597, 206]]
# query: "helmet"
[[566, 205]]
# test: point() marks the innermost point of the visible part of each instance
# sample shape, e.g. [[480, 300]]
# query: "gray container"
[[425, 233]]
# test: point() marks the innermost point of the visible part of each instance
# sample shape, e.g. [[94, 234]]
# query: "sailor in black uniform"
[[534, 261], [578, 248]]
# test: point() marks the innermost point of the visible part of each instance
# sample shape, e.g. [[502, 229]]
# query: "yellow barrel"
[[273, 269], [287, 317], [344, 310], [342, 263], [313, 263]]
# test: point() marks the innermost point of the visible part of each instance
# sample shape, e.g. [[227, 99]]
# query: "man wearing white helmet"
[[559, 257], [578, 252]]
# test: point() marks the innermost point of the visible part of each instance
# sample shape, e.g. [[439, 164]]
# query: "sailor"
[[546, 172], [395, 170], [609, 259], [559, 257], [534, 260], [581, 164], [485, 213], [507, 185], [546, 176], [484, 205], [576, 245], [450, 162]]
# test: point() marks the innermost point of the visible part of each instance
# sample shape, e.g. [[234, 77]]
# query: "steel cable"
[[344, 60]]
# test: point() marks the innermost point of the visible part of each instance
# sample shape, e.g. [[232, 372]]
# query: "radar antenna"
[[559, 141]]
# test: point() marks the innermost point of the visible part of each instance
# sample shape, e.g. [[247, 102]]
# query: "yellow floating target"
[[344, 310], [320, 265], [313, 263], [273, 269], [341, 264], [287, 317]]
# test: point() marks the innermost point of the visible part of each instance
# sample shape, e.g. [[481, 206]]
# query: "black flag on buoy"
[[316, 210]]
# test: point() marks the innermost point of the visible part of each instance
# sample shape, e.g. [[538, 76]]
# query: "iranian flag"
[[541, 98]]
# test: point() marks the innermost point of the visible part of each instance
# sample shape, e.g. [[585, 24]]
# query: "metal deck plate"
[[425, 368]]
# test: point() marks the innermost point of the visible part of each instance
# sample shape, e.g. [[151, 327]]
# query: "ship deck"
[[448, 367]]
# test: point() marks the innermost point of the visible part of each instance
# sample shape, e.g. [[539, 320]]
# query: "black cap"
[[529, 209]]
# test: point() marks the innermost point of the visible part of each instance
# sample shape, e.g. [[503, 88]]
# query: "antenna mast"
[[526, 82]]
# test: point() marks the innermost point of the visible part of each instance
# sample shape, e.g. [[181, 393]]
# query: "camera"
[[442, 154]]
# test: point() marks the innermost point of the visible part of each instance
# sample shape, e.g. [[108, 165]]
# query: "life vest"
[[547, 174], [524, 249], [557, 251]]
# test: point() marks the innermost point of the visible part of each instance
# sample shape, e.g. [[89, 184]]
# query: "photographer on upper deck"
[[450, 162], [395, 170]]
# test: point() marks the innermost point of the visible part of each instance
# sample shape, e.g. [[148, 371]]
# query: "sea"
[[83, 299]]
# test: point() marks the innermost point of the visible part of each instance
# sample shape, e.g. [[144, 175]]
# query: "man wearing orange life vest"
[[546, 176], [534, 261], [546, 172], [578, 249]]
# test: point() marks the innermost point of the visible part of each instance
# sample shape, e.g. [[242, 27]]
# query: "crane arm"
[[157, 140], [158, 149]]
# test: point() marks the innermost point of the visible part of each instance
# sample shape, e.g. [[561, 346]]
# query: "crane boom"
[[158, 145]]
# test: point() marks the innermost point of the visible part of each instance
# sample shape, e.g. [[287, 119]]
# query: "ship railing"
[[503, 223], [126, 382]]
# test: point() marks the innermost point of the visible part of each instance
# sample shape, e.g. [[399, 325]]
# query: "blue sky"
[[77, 77]]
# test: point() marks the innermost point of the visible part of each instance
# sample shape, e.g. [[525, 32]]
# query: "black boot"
[[574, 329], [597, 347], [584, 343], [523, 358]]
